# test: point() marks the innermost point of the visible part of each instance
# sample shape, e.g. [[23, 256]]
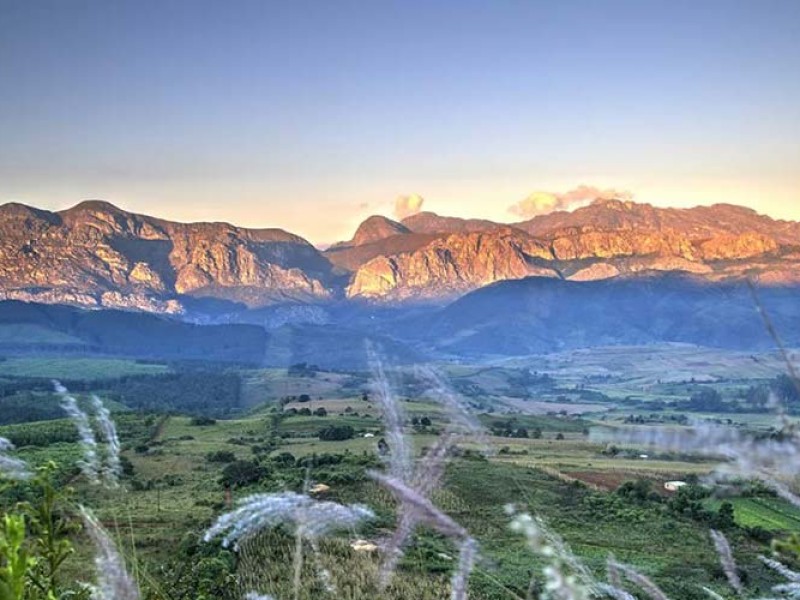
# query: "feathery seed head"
[[113, 580], [311, 518]]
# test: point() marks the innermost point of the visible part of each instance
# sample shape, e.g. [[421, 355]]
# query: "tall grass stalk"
[[113, 580], [90, 463], [10, 467]]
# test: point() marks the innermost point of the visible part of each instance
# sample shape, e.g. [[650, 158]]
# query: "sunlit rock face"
[[95, 254], [451, 265], [608, 239]]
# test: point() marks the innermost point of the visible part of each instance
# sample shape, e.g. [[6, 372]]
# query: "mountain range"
[[97, 255]]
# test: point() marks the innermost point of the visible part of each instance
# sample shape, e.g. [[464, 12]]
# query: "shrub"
[[222, 456], [336, 433], [241, 473]]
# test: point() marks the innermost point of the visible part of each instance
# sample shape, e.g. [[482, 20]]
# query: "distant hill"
[[65, 330], [42, 329], [540, 315]]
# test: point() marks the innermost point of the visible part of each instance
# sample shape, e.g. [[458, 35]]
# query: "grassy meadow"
[[183, 470]]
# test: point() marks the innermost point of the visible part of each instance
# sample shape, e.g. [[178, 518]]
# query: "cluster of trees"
[[655, 418], [240, 473], [41, 434], [512, 429], [756, 398], [334, 433], [190, 390], [687, 502], [27, 406], [221, 456], [785, 389], [208, 393], [518, 432], [307, 412]]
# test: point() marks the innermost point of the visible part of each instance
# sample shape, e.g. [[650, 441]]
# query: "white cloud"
[[541, 203], [405, 206]]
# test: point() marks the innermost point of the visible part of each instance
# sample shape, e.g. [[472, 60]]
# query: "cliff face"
[[607, 239], [95, 254], [450, 266], [613, 228]]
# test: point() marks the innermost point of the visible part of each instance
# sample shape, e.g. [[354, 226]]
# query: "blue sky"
[[313, 115]]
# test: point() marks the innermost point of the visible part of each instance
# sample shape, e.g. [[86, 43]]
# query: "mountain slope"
[[450, 266], [95, 254], [608, 239], [539, 315], [65, 330]]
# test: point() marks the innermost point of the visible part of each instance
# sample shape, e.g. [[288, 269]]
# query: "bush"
[[222, 456], [202, 421], [336, 433], [241, 473]]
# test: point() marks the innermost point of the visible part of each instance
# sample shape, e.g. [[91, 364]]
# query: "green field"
[[77, 368], [771, 514], [180, 470], [25, 334]]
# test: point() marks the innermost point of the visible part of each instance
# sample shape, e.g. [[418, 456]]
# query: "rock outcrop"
[[452, 265], [98, 255], [608, 239], [95, 254]]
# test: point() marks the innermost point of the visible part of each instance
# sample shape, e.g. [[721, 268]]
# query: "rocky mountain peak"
[[97, 254], [376, 228], [430, 222]]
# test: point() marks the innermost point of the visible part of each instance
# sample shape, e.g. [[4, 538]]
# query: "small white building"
[[674, 486], [363, 546], [319, 489], [369, 435]]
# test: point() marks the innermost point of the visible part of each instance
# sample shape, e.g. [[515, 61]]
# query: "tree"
[[724, 519], [787, 389], [335, 433], [638, 491], [321, 412], [222, 456], [241, 473], [707, 399]]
